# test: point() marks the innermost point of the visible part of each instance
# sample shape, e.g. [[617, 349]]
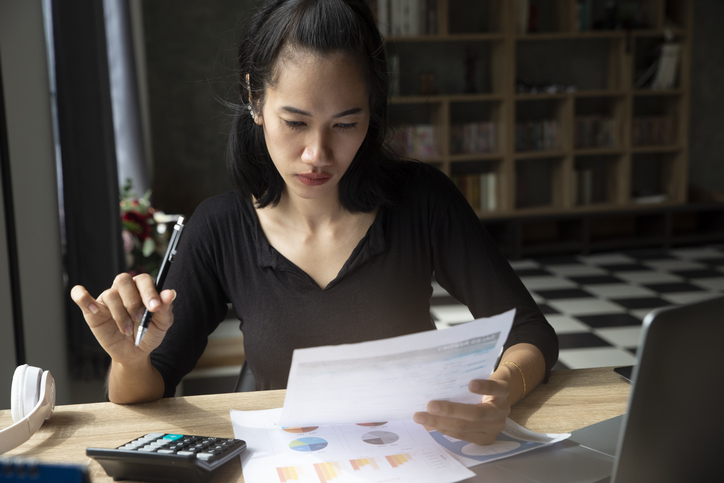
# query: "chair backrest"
[[245, 382]]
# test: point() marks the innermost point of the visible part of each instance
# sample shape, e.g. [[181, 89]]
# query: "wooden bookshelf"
[[478, 43]]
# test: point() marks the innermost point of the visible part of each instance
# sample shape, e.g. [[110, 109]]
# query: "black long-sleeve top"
[[382, 291]]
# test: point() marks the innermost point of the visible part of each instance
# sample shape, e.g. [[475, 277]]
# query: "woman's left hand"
[[477, 423]]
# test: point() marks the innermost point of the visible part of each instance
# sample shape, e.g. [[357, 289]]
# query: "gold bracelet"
[[521, 375]]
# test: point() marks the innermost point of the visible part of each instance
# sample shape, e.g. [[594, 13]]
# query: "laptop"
[[673, 427]]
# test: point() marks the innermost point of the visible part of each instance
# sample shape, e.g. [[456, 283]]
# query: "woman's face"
[[315, 119]]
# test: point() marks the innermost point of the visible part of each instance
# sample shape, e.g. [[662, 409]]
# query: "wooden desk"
[[571, 400]]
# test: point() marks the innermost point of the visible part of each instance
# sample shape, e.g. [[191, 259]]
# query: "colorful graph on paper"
[[301, 430], [290, 473], [380, 437], [358, 464], [328, 471], [399, 451], [396, 460], [308, 444]]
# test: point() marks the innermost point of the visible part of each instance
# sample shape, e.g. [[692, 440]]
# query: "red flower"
[[137, 224]]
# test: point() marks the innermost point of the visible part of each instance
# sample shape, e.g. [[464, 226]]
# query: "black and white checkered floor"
[[596, 303]]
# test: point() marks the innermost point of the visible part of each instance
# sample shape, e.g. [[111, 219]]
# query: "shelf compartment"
[[655, 121], [479, 182], [474, 16], [541, 125], [656, 179], [444, 68], [583, 64], [418, 130], [544, 17], [676, 14], [594, 180], [539, 183], [591, 17], [598, 122], [648, 61], [475, 128]]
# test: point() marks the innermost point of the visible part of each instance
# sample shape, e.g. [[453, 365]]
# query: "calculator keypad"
[[204, 448]]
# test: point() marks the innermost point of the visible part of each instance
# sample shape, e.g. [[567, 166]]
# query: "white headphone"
[[33, 401]]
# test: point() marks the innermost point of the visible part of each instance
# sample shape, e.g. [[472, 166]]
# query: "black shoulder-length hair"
[[320, 26]]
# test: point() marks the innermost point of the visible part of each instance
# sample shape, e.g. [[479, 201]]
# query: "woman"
[[329, 238]]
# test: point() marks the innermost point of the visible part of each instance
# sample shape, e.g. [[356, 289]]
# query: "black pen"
[[162, 272]]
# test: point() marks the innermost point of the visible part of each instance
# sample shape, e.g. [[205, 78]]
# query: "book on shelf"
[[406, 17], [584, 9], [476, 137], [479, 189], [668, 67], [382, 10], [537, 135], [394, 63], [583, 186], [415, 140], [653, 130], [594, 132], [522, 16]]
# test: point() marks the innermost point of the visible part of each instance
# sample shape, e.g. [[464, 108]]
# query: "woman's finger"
[[84, 300], [146, 287], [126, 287], [113, 300], [160, 323], [471, 422]]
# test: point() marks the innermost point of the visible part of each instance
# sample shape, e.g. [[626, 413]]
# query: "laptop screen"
[[674, 424]]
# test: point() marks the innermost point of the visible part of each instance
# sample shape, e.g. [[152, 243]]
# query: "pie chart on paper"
[[307, 445], [380, 437], [301, 430]]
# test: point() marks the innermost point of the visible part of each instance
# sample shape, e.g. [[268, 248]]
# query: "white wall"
[[30, 139]]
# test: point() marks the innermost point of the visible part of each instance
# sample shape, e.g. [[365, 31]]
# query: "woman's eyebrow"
[[348, 112]]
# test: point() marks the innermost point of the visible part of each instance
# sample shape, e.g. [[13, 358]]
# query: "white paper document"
[[514, 439], [391, 379], [376, 452]]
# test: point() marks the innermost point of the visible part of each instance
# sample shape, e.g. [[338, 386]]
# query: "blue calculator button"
[[173, 437]]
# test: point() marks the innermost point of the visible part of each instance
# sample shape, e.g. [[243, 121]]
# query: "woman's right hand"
[[115, 315]]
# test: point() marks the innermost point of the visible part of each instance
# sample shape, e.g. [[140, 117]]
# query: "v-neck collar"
[[371, 244]]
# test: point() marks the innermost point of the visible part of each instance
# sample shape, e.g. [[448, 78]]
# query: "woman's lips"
[[314, 179]]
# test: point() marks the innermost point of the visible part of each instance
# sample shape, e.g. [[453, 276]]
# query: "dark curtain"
[[12, 244], [93, 243]]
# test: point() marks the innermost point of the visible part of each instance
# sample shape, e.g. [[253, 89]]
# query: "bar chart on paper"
[[359, 464], [328, 471], [343, 471], [290, 473], [396, 460]]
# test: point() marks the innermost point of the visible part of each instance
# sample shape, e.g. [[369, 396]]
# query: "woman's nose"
[[317, 151]]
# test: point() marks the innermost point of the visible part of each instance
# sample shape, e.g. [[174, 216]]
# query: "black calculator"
[[167, 457]]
